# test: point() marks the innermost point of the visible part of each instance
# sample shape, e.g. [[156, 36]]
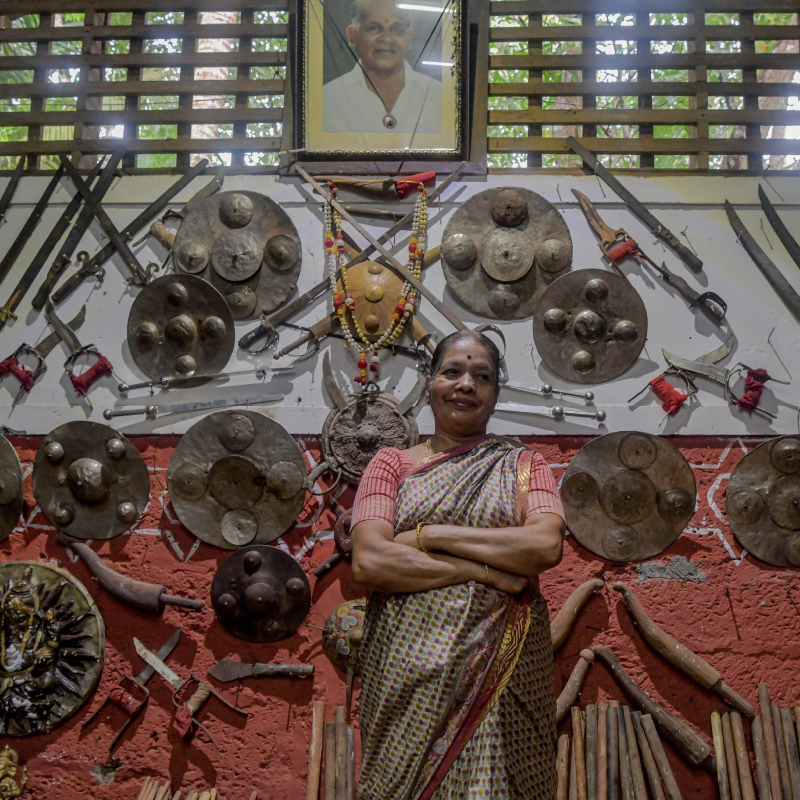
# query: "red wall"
[[743, 619]]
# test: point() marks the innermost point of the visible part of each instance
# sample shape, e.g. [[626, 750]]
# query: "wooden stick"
[[770, 743], [254, 796], [591, 752], [792, 754], [602, 751], [145, 788], [762, 767], [569, 694], [625, 774], [193, 795], [612, 759], [670, 784], [165, 793], [650, 766], [573, 772], [330, 761], [213, 795], [351, 755], [340, 729], [783, 761], [155, 786], [580, 753], [564, 620], [639, 788], [205, 796], [730, 757], [722, 760], [742, 757], [562, 767], [177, 795], [315, 750]]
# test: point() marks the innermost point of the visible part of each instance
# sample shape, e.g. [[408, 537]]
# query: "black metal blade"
[[8, 193], [787, 240]]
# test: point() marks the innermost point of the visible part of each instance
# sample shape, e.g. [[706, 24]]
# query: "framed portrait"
[[382, 79]]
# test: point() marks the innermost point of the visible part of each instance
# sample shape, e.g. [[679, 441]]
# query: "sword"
[[184, 719], [102, 366], [781, 286], [28, 377], [788, 241], [11, 187], [656, 228], [618, 243], [94, 266], [554, 412], [228, 670], [152, 411], [167, 382], [132, 706]]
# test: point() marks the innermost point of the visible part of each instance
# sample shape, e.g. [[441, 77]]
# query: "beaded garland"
[[334, 249]]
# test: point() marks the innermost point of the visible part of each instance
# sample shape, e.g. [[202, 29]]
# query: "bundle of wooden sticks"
[[154, 790], [339, 779], [615, 755]]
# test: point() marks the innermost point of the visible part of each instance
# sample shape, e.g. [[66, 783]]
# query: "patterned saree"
[[457, 693]]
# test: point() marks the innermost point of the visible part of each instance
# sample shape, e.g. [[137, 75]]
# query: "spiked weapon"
[[94, 266], [184, 719], [618, 244], [78, 229], [152, 411], [11, 187], [787, 240], [27, 377], [782, 287], [29, 276], [102, 366], [11, 256], [129, 705], [656, 228]]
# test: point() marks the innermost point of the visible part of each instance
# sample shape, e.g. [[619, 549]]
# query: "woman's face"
[[461, 392]]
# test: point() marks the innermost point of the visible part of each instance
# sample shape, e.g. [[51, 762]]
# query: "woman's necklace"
[[334, 249]]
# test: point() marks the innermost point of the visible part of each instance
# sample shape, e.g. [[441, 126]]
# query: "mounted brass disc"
[[180, 325], [501, 249], [10, 489], [628, 496], [590, 326], [260, 594], [52, 647], [90, 481], [237, 479], [763, 501], [245, 245], [375, 290]]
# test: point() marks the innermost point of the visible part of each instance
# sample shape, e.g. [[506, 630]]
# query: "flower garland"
[[334, 249]]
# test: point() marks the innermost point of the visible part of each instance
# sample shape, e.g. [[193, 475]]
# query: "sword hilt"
[[266, 330], [83, 382], [185, 719], [160, 232], [87, 269], [25, 376]]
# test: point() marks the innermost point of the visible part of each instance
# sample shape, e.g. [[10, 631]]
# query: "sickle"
[[330, 384]]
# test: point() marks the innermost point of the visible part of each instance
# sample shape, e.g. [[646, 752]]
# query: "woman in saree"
[[457, 695]]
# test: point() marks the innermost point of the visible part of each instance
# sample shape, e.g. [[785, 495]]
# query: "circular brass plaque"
[[10, 489], [626, 513]]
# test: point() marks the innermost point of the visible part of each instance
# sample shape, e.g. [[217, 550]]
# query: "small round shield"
[[10, 489]]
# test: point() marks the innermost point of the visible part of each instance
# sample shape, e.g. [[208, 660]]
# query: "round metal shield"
[[621, 511], [376, 291], [10, 489], [244, 244], [53, 647], [180, 325], [501, 249], [590, 326], [763, 502], [260, 594], [353, 435], [90, 481], [237, 479]]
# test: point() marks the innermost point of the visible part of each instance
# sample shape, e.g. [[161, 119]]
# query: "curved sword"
[[787, 240]]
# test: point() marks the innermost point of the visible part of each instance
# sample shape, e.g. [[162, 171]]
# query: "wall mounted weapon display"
[[628, 496], [237, 479], [89, 480], [501, 249], [180, 326], [362, 424], [260, 594], [10, 488], [53, 646], [245, 245], [618, 244], [590, 326], [763, 501]]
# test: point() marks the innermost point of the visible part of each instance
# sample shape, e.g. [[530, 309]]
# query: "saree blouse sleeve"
[[377, 492], [543, 496]]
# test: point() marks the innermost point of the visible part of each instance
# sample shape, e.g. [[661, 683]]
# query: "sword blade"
[[69, 338], [719, 353], [158, 665], [787, 240], [50, 341], [162, 654], [252, 400], [710, 371], [8, 193]]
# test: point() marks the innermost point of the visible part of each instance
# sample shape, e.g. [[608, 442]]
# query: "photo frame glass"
[[382, 77]]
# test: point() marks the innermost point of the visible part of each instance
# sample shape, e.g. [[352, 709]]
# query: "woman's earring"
[[427, 398]]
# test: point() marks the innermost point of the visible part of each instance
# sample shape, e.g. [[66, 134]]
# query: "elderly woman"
[[457, 693]]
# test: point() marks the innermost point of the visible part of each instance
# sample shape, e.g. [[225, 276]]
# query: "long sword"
[[11, 186], [554, 412], [787, 240], [152, 411], [656, 228]]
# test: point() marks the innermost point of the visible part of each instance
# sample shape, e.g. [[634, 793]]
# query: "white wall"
[[693, 204]]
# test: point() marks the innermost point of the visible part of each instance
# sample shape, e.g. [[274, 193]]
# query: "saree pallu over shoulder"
[[446, 673]]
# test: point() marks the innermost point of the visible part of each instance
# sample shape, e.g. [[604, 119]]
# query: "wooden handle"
[[195, 702], [612, 762], [742, 757], [569, 694], [730, 757], [591, 752], [330, 761], [602, 751], [722, 761], [650, 766], [625, 771], [770, 743], [580, 754], [760, 752], [340, 733], [562, 767], [315, 751], [159, 231], [639, 788], [783, 761], [563, 621], [667, 776], [791, 751]]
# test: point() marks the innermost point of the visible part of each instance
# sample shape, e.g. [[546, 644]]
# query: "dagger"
[[228, 670]]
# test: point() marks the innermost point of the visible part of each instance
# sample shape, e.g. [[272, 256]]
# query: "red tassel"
[[22, 374], [406, 185], [671, 398], [753, 387], [82, 382], [627, 248]]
